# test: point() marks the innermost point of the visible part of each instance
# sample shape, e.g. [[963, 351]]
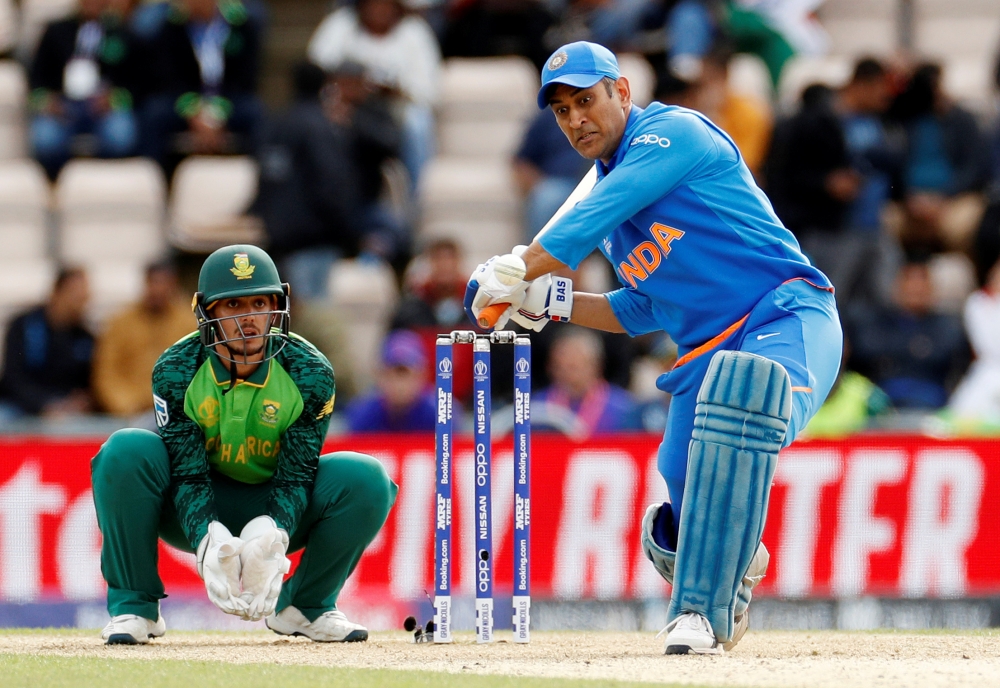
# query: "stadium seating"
[[640, 75], [472, 201], [25, 267], [209, 201], [110, 216], [24, 208], [962, 34], [35, 14], [800, 72], [861, 27], [364, 295], [484, 104], [748, 76], [13, 95]]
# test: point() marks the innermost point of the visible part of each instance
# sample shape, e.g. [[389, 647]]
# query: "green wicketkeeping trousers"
[[131, 475]]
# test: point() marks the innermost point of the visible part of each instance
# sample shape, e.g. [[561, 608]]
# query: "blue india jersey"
[[693, 240]]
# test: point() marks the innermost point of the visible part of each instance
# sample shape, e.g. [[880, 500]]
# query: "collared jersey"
[[693, 240], [269, 427]]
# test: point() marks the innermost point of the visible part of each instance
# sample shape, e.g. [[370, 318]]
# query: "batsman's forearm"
[[539, 262], [594, 311]]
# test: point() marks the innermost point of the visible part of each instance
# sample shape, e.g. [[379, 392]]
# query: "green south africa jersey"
[[269, 427]]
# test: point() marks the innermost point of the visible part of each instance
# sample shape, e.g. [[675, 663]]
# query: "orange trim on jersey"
[[711, 343], [719, 338], [810, 283], [802, 389]]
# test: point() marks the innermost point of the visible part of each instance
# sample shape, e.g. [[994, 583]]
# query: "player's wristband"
[[560, 306]]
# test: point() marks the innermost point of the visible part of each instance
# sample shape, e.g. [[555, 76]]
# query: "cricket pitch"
[[764, 658]]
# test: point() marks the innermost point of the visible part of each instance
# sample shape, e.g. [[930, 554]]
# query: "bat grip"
[[489, 316]]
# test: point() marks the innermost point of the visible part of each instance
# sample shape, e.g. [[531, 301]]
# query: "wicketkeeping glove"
[[219, 567], [547, 298], [264, 566]]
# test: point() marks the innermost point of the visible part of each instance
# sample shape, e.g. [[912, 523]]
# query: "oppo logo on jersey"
[[649, 139], [647, 256]]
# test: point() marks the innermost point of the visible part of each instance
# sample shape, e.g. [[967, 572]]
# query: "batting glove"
[[547, 298], [219, 567], [264, 566], [485, 288]]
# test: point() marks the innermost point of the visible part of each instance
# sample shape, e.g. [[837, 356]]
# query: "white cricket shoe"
[[129, 629], [691, 633], [331, 627]]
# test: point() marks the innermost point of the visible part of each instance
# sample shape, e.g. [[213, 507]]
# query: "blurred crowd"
[[891, 187]]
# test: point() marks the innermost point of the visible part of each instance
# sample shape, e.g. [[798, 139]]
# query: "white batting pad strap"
[[561, 299]]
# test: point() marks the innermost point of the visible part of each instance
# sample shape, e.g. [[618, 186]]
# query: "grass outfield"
[[24, 671]]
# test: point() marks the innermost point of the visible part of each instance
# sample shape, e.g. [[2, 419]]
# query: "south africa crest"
[[270, 413], [243, 269]]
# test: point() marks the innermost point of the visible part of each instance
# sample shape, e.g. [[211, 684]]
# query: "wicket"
[[483, 445]]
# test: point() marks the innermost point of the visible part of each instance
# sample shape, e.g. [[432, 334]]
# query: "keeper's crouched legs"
[[131, 478], [741, 418], [349, 505]]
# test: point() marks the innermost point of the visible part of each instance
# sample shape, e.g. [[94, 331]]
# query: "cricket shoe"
[[331, 627], [129, 629], [691, 633], [755, 574]]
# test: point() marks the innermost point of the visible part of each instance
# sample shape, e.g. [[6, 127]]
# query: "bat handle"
[[489, 316]]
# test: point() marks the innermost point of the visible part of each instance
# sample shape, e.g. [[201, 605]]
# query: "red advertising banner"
[[892, 516]]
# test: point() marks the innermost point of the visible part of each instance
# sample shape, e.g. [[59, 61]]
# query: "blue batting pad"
[[743, 409]]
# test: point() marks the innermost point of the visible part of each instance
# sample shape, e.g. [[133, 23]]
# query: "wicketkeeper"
[[242, 408]]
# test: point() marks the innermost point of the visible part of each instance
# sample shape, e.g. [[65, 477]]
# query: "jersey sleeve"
[[194, 499], [661, 154], [634, 311], [302, 442]]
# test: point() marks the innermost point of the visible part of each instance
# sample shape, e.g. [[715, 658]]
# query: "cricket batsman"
[[242, 408], [701, 255]]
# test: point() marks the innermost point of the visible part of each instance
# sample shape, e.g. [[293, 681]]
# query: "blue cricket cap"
[[403, 349], [581, 64]]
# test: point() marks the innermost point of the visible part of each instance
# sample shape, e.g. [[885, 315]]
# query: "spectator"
[[945, 164], [546, 169], [132, 340], [977, 397], [400, 53], [611, 23], [366, 111], [586, 402], [653, 403], [435, 287], [205, 71], [432, 303], [746, 120], [48, 352], [308, 197], [830, 175], [986, 250], [915, 355], [86, 79], [691, 28], [485, 28], [403, 401], [852, 403]]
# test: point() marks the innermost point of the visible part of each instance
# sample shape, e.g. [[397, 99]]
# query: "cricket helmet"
[[232, 272]]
